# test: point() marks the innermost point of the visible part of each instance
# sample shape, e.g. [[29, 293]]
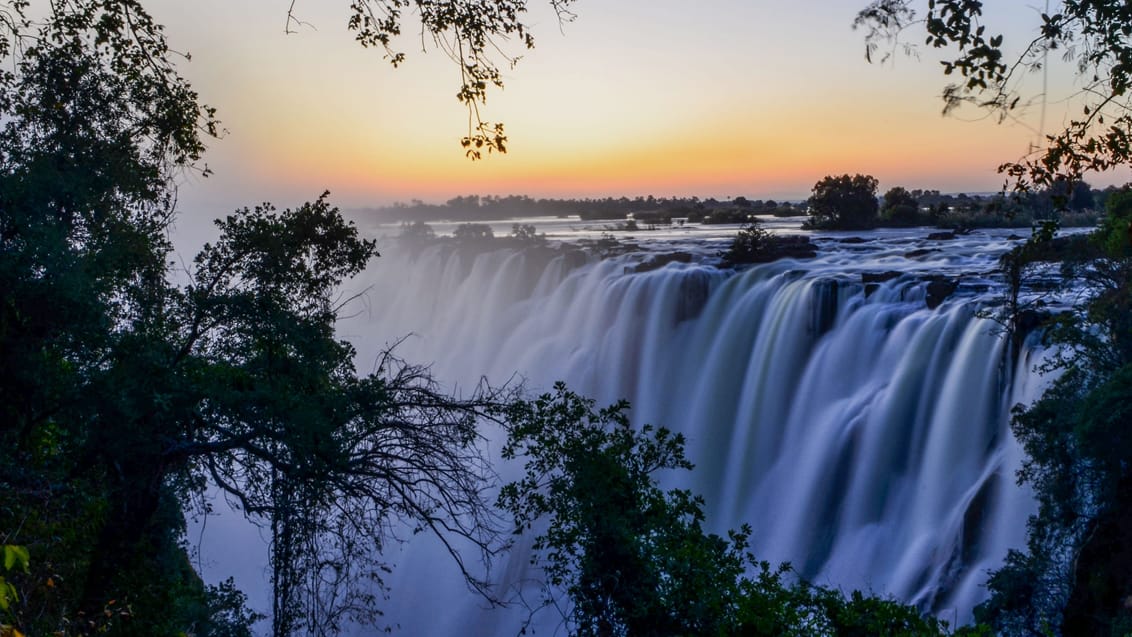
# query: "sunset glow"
[[632, 98]]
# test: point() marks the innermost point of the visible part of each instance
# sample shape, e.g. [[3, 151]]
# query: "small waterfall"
[[863, 435]]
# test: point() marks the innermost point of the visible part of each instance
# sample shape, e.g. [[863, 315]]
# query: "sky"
[[715, 98]]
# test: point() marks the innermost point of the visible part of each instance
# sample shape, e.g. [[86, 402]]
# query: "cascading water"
[[863, 435]]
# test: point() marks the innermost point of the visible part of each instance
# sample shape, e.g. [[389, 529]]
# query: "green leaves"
[[614, 542], [8, 594], [16, 558]]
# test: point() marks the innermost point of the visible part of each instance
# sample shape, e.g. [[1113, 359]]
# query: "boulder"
[[938, 290]]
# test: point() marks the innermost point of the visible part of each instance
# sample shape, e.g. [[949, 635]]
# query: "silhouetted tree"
[[900, 207], [1092, 34], [844, 202], [471, 232], [123, 395]]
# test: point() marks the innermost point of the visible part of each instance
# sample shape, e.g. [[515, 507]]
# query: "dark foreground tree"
[[844, 203], [123, 396], [621, 556], [1077, 572]]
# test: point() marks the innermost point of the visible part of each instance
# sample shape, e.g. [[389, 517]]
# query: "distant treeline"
[[851, 202], [897, 207], [646, 210]]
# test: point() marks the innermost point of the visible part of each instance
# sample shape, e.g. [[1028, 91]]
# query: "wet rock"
[[915, 254], [938, 290], [794, 247], [878, 277], [941, 236], [851, 240], [1030, 320]]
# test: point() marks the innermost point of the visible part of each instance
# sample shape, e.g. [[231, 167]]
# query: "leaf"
[[7, 594], [16, 556]]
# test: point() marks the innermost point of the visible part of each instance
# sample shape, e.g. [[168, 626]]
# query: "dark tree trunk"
[[1102, 579], [124, 539]]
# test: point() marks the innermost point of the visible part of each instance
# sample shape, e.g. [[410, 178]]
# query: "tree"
[[1092, 35], [473, 232], [844, 203], [1075, 572], [417, 231], [632, 559], [1081, 197], [900, 207], [526, 233], [124, 395]]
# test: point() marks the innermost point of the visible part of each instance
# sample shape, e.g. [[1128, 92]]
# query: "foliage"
[[843, 202], [633, 559], [755, 244], [473, 232], [900, 207], [749, 245], [416, 231], [1092, 35], [526, 233], [16, 559], [620, 555], [123, 396], [1074, 575], [226, 613], [1115, 233]]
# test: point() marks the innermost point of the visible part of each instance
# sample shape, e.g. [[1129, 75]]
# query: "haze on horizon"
[[635, 97]]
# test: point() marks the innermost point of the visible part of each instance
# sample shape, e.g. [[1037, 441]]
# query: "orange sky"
[[715, 98]]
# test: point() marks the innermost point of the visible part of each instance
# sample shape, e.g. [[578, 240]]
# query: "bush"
[[416, 231], [754, 244], [473, 232]]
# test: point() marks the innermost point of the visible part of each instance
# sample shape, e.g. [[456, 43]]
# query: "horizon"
[[635, 196]]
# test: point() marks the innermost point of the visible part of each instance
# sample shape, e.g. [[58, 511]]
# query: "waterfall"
[[863, 435]]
